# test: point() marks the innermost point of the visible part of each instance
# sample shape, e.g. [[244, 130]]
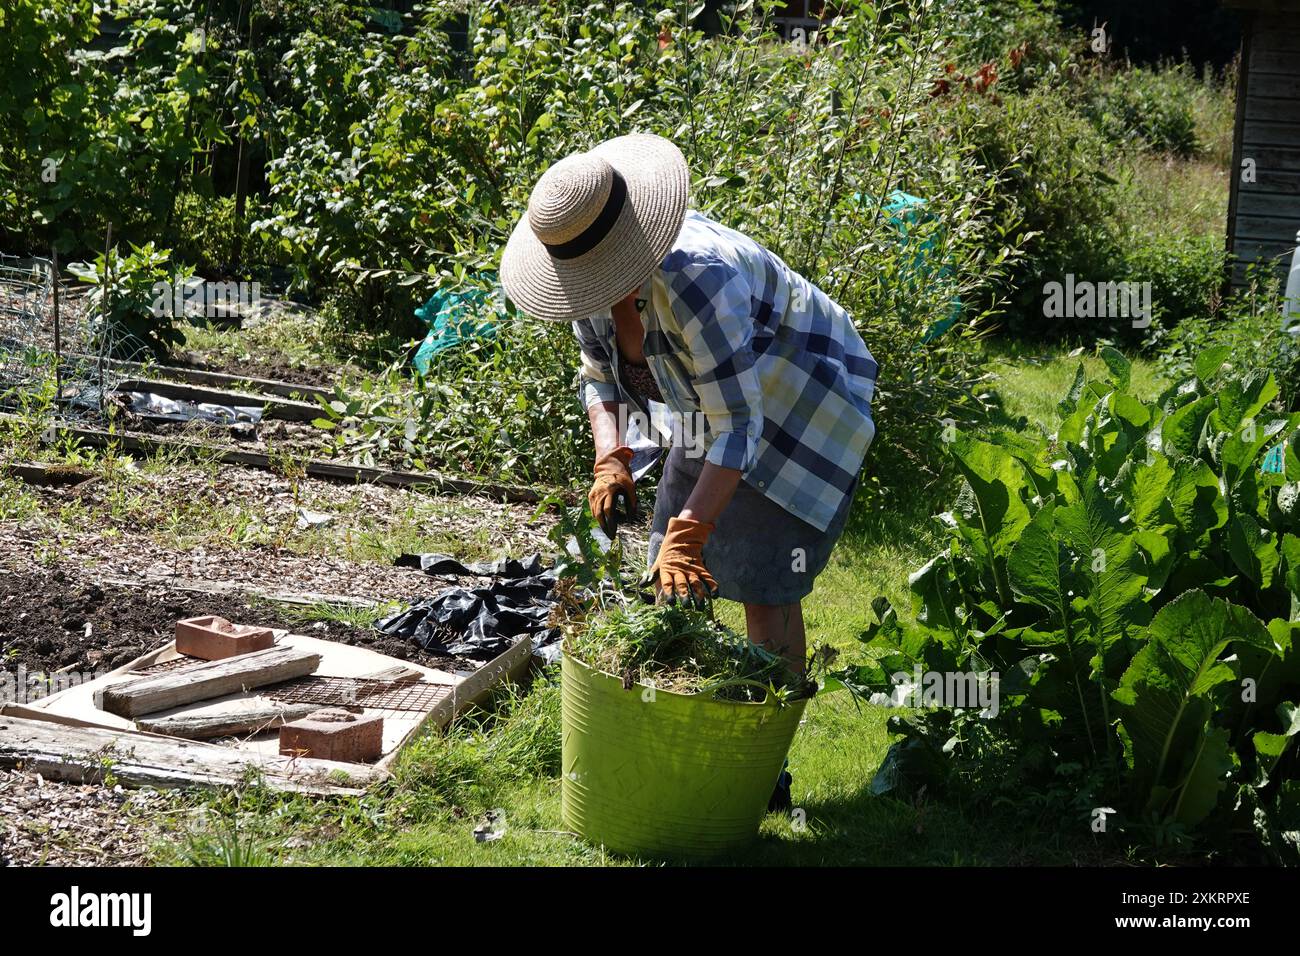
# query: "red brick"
[[214, 638], [334, 734]]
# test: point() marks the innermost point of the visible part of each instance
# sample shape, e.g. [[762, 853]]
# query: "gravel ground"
[[43, 822], [105, 548]]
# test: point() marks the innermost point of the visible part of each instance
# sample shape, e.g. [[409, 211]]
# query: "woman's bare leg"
[[779, 628]]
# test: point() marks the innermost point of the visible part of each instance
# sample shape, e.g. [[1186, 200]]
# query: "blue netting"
[[906, 212], [456, 314]]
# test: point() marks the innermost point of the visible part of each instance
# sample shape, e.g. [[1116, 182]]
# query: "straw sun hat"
[[597, 224]]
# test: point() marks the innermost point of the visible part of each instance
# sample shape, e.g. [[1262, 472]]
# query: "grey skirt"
[[759, 553]]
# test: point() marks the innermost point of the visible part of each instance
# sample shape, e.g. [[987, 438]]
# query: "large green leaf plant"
[[1131, 582]]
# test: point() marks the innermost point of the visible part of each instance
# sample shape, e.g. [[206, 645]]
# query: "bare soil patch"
[[49, 621]]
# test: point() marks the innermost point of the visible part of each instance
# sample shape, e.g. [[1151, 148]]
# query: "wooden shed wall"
[[1264, 215]]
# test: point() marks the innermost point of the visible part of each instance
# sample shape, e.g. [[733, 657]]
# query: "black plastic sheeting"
[[480, 623]]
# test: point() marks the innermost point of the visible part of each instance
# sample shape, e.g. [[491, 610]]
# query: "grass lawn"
[[509, 759]]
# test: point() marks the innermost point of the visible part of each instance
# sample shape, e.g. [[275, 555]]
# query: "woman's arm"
[[605, 418], [711, 494]]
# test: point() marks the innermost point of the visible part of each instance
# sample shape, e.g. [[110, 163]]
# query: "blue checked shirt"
[[779, 374]]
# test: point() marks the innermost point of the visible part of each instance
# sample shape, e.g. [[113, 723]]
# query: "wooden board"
[[1271, 182], [198, 376], [75, 706], [1268, 228], [1274, 205], [314, 467], [47, 476], [157, 692], [1275, 159], [1274, 132], [252, 716], [1276, 32], [1271, 108], [1269, 58], [279, 408], [59, 751], [1286, 86], [1254, 250], [1239, 276], [1264, 9]]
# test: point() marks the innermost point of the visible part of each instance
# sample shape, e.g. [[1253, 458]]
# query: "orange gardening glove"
[[613, 481], [678, 573]]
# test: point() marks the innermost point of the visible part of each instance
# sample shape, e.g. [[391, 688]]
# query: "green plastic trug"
[[652, 773]]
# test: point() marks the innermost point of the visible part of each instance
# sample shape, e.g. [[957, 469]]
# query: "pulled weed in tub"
[[681, 650]]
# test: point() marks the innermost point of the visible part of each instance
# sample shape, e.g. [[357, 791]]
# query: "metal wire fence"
[[50, 346]]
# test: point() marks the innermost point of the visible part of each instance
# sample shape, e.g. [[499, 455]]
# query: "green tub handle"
[[712, 689]]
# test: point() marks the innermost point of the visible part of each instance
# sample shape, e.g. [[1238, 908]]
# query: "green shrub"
[[1131, 580], [504, 408], [1054, 189], [39, 98], [106, 136], [204, 232], [1023, 38], [786, 145], [134, 299], [1151, 108], [1250, 327], [1185, 272]]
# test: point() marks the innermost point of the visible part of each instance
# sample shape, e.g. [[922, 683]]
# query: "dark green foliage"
[[1248, 331], [95, 133], [1054, 189], [1148, 108], [505, 407], [133, 300], [1132, 579]]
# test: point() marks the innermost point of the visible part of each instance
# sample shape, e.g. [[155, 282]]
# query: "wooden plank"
[[397, 674], [155, 692], [1277, 159], [1271, 182], [315, 468], [1267, 59], [279, 408], [1272, 108], [1259, 203], [48, 476], [1257, 250], [1238, 123], [1274, 36], [1273, 132], [88, 754], [1273, 84], [199, 376], [1253, 249], [1267, 228], [1266, 10], [260, 716], [1239, 279]]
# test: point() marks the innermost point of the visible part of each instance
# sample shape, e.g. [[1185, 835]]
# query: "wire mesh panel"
[[26, 289], [87, 375], [415, 696], [44, 329]]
